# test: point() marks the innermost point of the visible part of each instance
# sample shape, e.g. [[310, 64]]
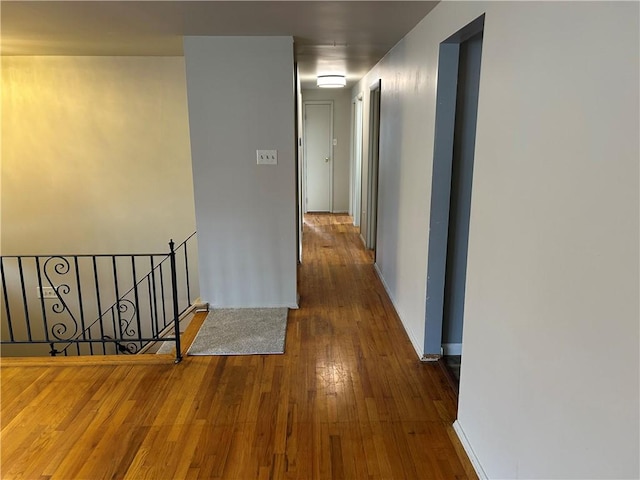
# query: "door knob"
[[326, 160]]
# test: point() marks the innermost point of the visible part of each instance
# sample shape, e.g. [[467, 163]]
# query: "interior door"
[[318, 133]]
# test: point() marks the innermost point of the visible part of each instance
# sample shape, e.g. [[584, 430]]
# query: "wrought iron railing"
[[48, 301]]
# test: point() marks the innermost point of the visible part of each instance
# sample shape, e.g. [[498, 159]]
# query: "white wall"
[[341, 132], [550, 367], [241, 98], [95, 155]]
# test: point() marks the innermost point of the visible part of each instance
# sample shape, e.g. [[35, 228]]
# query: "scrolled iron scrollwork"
[[127, 325], [62, 266], [60, 330], [128, 348], [60, 306]]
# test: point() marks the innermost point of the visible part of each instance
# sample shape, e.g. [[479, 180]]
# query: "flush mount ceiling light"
[[332, 81]]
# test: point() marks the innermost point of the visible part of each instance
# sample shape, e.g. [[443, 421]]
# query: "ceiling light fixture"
[[332, 81]]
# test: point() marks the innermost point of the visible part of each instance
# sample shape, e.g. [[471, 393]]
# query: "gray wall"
[[552, 297], [241, 98]]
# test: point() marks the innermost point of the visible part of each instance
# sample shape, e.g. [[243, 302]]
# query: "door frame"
[[375, 97], [356, 158], [306, 156], [446, 96]]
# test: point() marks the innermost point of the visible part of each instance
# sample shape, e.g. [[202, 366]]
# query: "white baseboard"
[[416, 344], [452, 349], [469, 451], [430, 358], [292, 306], [379, 273]]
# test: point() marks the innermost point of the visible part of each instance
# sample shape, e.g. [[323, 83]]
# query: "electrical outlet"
[[267, 157], [47, 292]]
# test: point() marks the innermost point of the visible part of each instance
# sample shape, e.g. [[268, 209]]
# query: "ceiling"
[[346, 37]]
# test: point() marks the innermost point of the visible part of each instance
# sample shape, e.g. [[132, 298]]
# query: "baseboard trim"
[[291, 306], [469, 451], [430, 357], [413, 341], [452, 348]]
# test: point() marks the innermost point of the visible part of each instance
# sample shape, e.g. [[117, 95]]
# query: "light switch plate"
[[267, 157], [47, 292]]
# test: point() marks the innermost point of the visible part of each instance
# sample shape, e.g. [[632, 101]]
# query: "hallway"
[[349, 399]]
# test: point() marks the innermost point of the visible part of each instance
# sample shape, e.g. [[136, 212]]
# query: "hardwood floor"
[[348, 400]]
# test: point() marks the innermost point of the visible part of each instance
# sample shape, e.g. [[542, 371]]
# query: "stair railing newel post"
[[174, 294]]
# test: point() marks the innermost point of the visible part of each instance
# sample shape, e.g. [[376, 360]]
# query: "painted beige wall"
[[550, 369], [95, 159], [341, 132], [95, 154]]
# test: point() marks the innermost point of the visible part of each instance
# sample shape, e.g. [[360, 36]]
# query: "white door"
[[318, 154]]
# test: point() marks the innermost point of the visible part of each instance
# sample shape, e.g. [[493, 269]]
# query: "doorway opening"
[[455, 133], [371, 225]]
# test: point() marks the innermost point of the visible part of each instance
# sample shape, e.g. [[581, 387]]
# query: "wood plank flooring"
[[348, 400]]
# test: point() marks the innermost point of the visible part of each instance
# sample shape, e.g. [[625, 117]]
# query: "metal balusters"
[[164, 311], [97, 284], [174, 294], [62, 324], [113, 309], [42, 305], [151, 310], [117, 305], [81, 304], [24, 299], [6, 299], [186, 268], [136, 296], [152, 279]]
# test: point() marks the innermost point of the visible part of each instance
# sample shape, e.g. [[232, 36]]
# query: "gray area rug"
[[242, 331]]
